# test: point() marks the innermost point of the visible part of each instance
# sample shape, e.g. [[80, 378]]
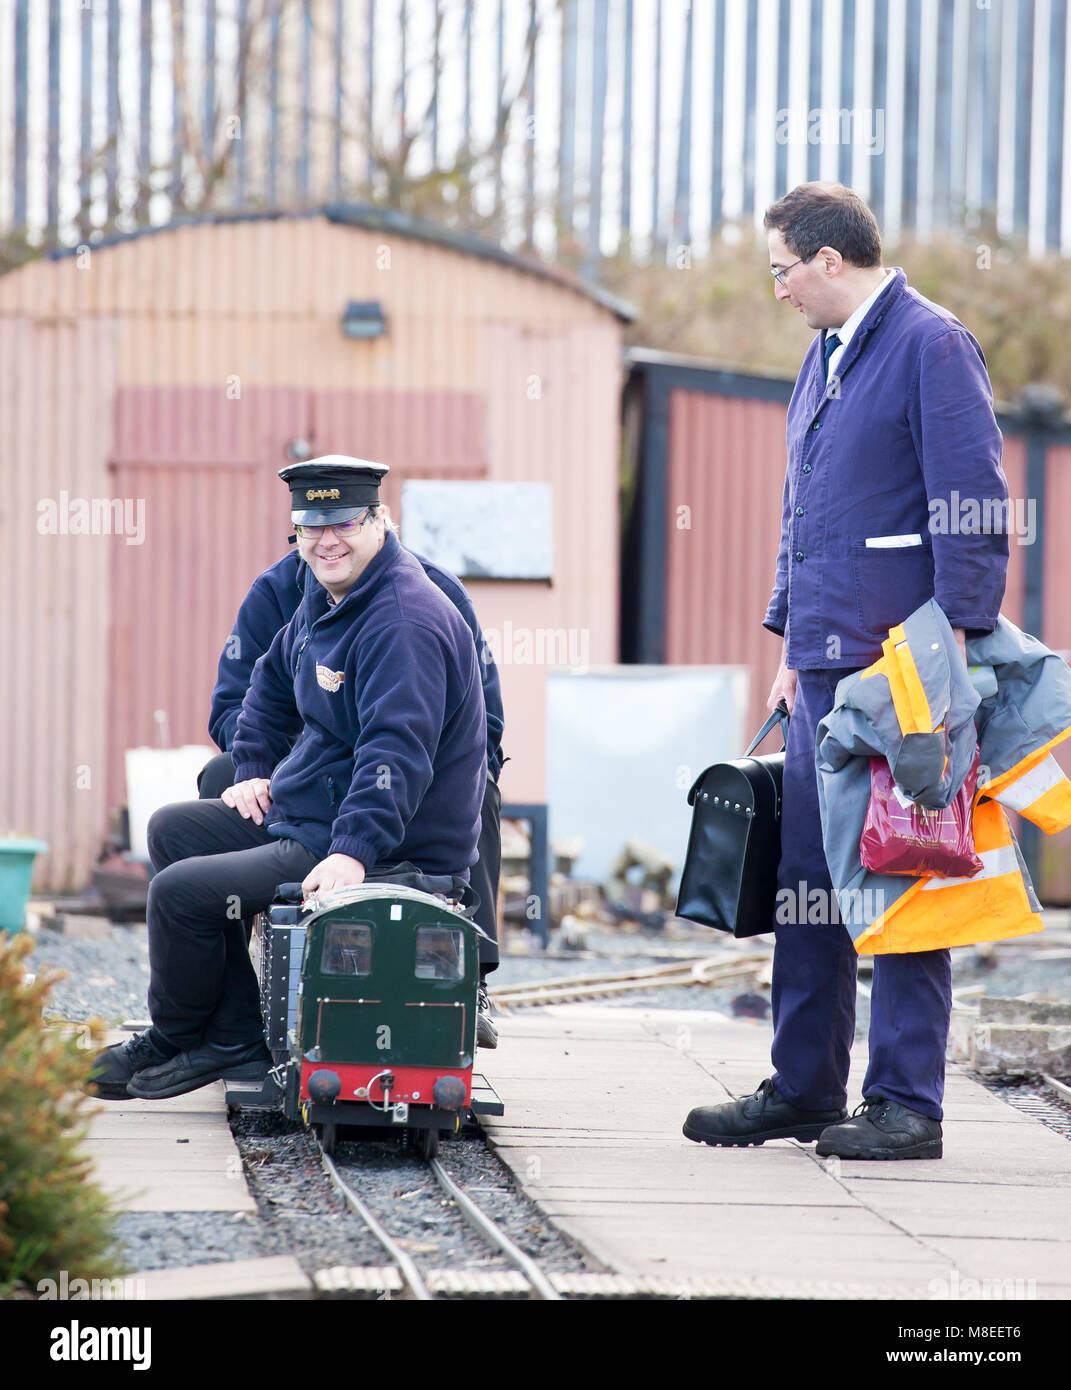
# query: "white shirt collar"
[[846, 333]]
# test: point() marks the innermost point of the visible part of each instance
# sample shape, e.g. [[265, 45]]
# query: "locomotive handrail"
[[342, 897]]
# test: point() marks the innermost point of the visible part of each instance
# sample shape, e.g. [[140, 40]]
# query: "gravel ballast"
[[298, 1211]]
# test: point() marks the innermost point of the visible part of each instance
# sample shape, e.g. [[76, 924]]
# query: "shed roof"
[[385, 219]]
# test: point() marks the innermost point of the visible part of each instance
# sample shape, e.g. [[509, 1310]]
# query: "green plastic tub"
[[16, 871]]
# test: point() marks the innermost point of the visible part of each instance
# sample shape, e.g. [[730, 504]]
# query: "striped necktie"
[[831, 344]]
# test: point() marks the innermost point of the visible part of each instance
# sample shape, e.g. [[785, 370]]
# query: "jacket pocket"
[[890, 583]]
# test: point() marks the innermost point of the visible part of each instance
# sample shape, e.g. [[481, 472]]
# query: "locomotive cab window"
[[347, 949], [440, 954]]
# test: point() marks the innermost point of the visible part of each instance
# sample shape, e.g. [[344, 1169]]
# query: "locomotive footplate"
[[485, 1099], [267, 1096]]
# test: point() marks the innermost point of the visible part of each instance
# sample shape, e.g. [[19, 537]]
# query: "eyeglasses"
[[779, 275], [340, 528]]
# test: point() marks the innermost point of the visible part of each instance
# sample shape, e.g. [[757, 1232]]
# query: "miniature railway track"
[[708, 970], [491, 1231], [488, 1229]]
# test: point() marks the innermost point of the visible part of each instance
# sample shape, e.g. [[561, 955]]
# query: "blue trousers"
[[815, 965]]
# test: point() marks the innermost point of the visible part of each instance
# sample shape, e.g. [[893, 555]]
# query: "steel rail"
[[1062, 1090], [644, 972], [492, 1232], [707, 971], [410, 1273]]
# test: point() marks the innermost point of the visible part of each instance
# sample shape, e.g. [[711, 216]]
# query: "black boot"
[[754, 1119], [209, 1062], [882, 1128], [486, 1032], [115, 1066]]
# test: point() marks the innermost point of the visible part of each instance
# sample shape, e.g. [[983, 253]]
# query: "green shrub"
[[52, 1216]]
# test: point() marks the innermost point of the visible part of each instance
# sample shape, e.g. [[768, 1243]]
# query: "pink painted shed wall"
[[726, 463], [174, 368]]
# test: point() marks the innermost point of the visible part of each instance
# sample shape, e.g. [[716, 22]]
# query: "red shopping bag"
[[901, 837]]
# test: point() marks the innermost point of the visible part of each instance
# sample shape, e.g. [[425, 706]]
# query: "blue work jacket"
[[272, 601], [901, 443]]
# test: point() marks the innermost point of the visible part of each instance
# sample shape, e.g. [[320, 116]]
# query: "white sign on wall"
[[624, 744], [480, 530]]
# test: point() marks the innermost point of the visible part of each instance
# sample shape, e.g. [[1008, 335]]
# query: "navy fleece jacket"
[[272, 601], [382, 693]]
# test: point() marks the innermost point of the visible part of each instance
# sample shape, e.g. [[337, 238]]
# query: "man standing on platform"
[[892, 412]]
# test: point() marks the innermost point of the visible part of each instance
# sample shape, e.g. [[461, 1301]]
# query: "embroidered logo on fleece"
[[327, 679]]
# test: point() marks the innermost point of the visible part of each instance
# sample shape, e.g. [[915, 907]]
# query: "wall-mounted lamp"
[[363, 319], [299, 450]]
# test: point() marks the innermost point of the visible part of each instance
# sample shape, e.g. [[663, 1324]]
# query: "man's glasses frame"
[[779, 275], [340, 528]]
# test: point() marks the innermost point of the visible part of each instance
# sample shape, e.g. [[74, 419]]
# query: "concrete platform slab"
[[1045, 1262], [595, 1097], [277, 1277], [168, 1155], [964, 1209]]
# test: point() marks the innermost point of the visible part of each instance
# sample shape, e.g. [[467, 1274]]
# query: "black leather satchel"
[[729, 879]]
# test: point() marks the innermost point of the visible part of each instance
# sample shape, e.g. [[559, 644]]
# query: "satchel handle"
[[779, 716]]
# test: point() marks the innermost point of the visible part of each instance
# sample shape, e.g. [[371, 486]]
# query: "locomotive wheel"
[[328, 1135], [426, 1142]]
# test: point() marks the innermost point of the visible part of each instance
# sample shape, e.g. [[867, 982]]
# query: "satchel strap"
[[779, 716]]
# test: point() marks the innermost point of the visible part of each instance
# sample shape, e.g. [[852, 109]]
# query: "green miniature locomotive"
[[370, 999]]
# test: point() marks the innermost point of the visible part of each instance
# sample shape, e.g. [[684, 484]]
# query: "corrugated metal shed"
[[170, 371], [723, 523], [57, 379], [707, 451]]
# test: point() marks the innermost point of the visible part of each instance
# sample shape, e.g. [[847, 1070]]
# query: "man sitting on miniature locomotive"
[[361, 746], [271, 602]]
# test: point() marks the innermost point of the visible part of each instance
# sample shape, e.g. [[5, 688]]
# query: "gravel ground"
[[404, 1195], [106, 979], [172, 1240], [1038, 1101], [299, 1212]]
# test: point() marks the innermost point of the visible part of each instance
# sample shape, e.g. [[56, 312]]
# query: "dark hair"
[[814, 215]]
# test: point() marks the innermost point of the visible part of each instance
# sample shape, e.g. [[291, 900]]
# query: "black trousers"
[[218, 774], [213, 869], [484, 875]]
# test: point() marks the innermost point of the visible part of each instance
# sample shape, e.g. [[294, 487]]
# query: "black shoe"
[[754, 1119], [881, 1128], [115, 1066], [486, 1032], [189, 1071]]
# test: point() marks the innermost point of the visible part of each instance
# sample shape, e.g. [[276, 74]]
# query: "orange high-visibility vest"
[[914, 706]]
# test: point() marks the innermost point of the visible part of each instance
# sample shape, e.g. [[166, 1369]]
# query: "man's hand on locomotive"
[[250, 799], [336, 871]]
